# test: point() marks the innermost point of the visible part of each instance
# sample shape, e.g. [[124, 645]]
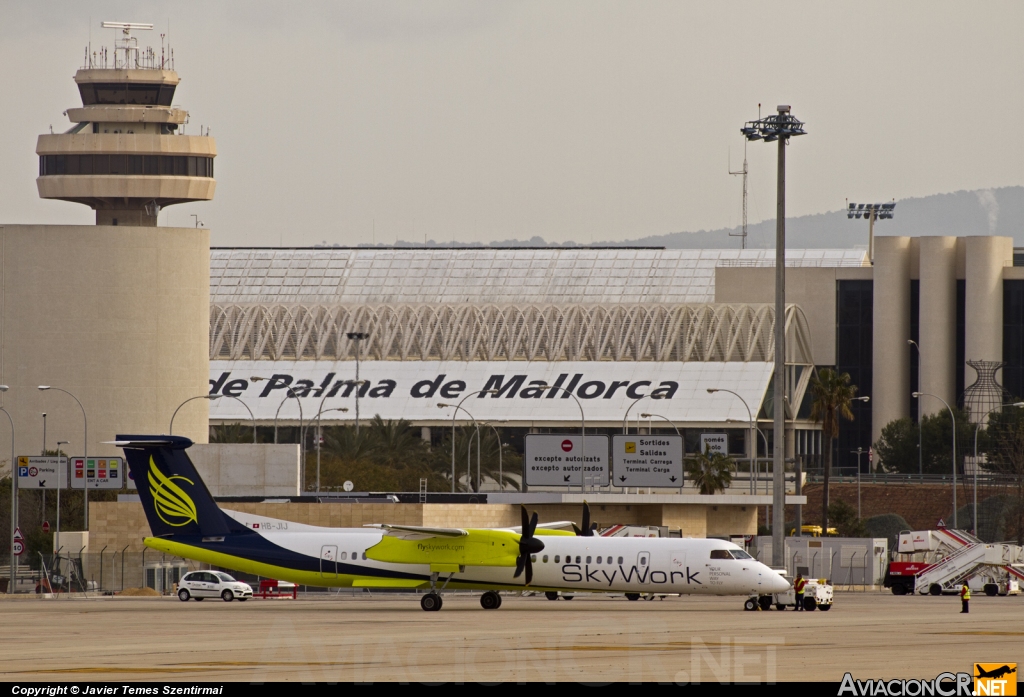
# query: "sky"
[[573, 120]]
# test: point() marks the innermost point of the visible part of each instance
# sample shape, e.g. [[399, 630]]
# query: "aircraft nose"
[[778, 583]]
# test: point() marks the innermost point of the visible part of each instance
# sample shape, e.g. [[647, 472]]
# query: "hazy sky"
[[581, 120]]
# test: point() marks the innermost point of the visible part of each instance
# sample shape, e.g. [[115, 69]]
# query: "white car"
[[212, 584]]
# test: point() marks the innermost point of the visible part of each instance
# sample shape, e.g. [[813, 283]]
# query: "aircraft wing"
[[411, 532]]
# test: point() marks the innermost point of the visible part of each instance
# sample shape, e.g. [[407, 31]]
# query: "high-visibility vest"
[[800, 585], [965, 593]]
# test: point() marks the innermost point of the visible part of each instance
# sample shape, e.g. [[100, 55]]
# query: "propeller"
[[588, 527], [528, 544]]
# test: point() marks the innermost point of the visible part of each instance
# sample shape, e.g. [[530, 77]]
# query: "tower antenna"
[[743, 234]]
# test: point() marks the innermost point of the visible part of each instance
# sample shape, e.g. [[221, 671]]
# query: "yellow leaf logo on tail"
[[169, 499]]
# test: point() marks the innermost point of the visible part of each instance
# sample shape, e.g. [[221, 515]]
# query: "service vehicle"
[[937, 562], [198, 585], [818, 595]]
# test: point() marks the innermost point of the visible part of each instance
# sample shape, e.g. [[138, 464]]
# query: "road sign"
[[715, 442], [99, 472], [42, 472], [46, 526], [647, 461], [17, 537], [559, 460], [18, 548]]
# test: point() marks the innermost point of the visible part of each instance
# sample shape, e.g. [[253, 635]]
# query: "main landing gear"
[[490, 601], [431, 602]]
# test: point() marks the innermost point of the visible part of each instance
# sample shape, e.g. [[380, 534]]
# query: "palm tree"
[[710, 472], [832, 394]]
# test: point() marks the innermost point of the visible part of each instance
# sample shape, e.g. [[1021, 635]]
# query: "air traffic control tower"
[[117, 314]]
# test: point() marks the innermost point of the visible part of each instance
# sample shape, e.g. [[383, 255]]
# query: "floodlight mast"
[[873, 212], [781, 127]]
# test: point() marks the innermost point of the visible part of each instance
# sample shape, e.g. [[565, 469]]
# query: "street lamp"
[[920, 452], [319, 437], [85, 451], [757, 465], [625, 418], [583, 431], [753, 442], [978, 426], [455, 413], [357, 337], [953, 419], [871, 211], [291, 394], [501, 478], [858, 453], [781, 127], [469, 445], [211, 397], [663, 418], [14, 498]]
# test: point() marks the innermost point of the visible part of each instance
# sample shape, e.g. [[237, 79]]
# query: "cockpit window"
[[740, 554], [720, 554]]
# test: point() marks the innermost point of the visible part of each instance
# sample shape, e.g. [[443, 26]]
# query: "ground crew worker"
[[965, 598], [798, 593]]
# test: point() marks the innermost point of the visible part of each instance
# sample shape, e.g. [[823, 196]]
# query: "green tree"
[[896, 449], [1004, 444], [831, 393], [845, 521], [710, 472]]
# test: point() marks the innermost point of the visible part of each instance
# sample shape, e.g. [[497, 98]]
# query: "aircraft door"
[[643, 563], [329, 561], [678, 565]]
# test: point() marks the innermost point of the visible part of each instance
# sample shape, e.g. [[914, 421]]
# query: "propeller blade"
[[533, 524], [587, 530], [526, 521], [576, 529], [529, 571], [520, 565]]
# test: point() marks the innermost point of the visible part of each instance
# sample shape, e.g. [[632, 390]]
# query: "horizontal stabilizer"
[[410, 532]]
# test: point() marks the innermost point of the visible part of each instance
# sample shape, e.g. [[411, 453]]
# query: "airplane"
[[186, 522], [996, 673]]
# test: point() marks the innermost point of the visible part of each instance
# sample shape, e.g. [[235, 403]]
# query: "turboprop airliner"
[[187, 522]]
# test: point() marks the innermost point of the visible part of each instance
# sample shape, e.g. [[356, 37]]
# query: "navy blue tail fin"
[[173, 494]]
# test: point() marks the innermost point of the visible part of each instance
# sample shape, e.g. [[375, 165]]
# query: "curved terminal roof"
[[455, 276]]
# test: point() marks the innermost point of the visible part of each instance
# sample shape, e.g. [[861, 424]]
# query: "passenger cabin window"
[[620, 560], [556, 558], [588, 560], [599, 560], [577, 559], [545, 559], [720, 554], [344, 555]]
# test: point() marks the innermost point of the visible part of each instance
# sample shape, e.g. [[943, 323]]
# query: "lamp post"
[[455, 413], [871, 211], [757, 466], [13, 497], [85, 450], [976, 428], [625, 417], [583, 431], [778, 127], [56, 541], [501, 478], [469, 446], [302, 440], [752, 448], [319, 437], [663, 418], [211, 397], [920, 452], [858, 452], [251, 416], [357, 337], [953, 419]]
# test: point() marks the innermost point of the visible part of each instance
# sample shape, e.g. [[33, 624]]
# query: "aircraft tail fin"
[[173, 494]]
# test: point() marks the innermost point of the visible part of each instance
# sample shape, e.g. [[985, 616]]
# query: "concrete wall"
[[247, 469], [938, 322], [118, 316], [890, 389], [985, 259]]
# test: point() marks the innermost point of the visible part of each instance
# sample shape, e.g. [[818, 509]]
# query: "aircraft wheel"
[[431, 602], [227, 596], [750, 604], [490, 601], [810, 605], [183, 595], [632, 596], [781, 607], [551, 595]]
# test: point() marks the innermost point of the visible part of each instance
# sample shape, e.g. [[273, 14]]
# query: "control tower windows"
[[126, 93], [153, 165]]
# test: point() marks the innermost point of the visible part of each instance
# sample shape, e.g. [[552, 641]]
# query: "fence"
[[846, 561]]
